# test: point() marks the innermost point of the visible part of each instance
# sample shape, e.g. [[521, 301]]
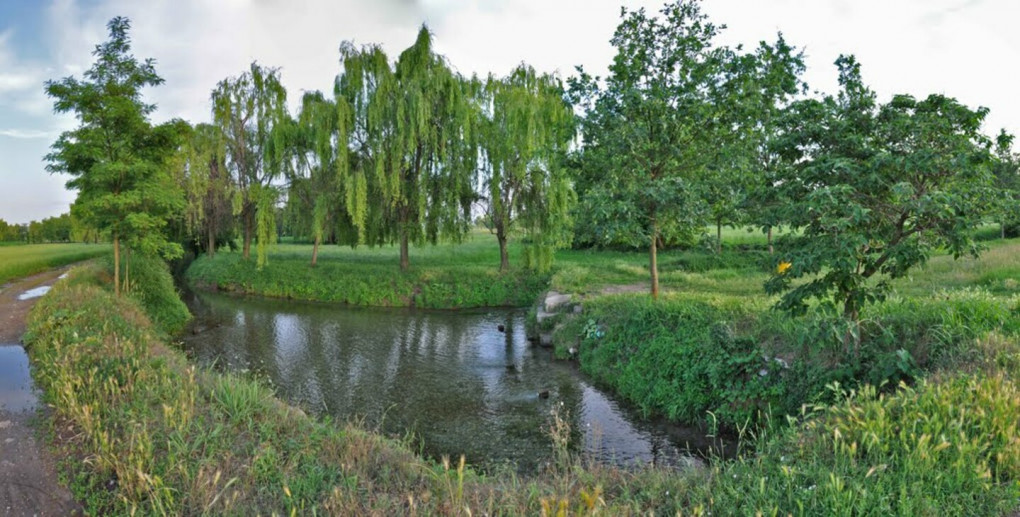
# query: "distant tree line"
[[682, 134], [62, 228]]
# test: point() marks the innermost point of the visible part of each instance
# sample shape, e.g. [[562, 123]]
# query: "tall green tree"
[[115, 157], [527, 129], [875, 191], [411, 128], [247, 108], [315, 184], [203, 175], [660, 125]]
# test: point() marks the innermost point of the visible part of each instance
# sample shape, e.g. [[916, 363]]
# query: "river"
[[451, 379]]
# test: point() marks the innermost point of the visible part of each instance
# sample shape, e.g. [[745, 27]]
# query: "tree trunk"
[[405, 261], [247, 221], [315, 250], [852, 339], [653, 262], [771, 250], [211, 242], [504, 260], [718, 237], [116, 264], [1002, 230], [127, 270]]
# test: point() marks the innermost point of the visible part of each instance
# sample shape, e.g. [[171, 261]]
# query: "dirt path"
[[28, 480]]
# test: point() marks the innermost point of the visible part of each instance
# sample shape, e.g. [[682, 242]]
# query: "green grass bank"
[[711, 347], [17, 261], [441, 277]]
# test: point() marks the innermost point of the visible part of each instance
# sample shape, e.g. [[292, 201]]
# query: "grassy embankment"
[[162, 436], [18, 261]]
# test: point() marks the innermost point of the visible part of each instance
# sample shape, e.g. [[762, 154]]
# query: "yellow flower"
[[783, 267]]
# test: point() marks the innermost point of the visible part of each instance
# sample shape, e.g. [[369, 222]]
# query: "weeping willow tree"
[[527, 129], [411, 127], [316, 191], [247, 108], [203, 176]]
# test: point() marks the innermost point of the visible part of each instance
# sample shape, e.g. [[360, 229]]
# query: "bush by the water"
[[691, 357]]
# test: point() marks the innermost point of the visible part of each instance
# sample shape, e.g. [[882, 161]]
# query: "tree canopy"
[[672, 113], [116, 159], [875, 189]]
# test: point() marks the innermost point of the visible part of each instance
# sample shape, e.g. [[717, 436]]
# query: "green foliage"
[[248, 109], [875, 190], [679, 358], [10, 232], [154, 289], [116, 158], [411, 128], [1006, 170], [675, 111], [50, 229], [525, 130], [201, 169]]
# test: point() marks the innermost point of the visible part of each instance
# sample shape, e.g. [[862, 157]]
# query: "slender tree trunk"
[[653, 262], [315, 250], [771, 250], [718, 237], [116, 264], [127, 269], [248, 223], [405, 261], [1002, 230], [504, 260], [852, 339]]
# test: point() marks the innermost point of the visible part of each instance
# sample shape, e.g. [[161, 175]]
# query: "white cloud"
[[25, 133]]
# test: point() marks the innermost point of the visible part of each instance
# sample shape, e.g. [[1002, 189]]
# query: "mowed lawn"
[[23, 260]]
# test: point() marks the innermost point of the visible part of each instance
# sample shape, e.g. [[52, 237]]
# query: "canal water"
[[451, 379]]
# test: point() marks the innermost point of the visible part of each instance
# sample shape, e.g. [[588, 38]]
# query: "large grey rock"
[[553, 300]]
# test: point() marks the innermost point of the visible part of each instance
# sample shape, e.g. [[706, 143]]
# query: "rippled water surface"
[[451, 378]]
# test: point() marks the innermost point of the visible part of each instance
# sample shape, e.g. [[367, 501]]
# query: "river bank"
[[193, 441]]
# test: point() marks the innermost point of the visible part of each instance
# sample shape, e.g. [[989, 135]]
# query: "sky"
[[967, 49]]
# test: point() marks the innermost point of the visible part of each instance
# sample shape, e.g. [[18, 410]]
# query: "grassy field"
[[24, 260]]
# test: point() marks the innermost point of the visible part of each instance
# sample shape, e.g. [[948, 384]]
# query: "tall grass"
[[24, 260]]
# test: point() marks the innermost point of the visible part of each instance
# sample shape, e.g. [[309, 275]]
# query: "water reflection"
[[16, 390], [451, 378]]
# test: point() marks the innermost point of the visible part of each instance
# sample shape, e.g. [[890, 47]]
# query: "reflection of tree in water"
[[450, 377]]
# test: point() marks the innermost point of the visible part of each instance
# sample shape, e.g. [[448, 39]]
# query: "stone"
[[553, 300]]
